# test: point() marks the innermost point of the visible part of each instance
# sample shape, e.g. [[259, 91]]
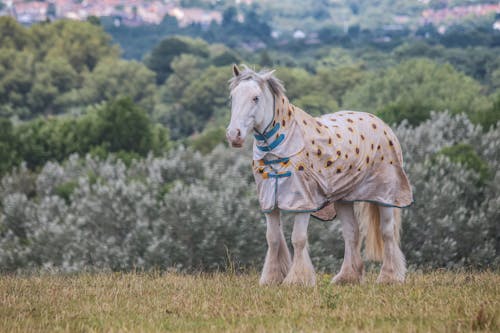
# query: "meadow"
[[440, 301]]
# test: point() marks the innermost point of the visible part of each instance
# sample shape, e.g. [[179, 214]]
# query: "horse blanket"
[[304, 164]]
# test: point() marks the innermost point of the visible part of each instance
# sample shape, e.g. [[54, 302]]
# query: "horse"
[[345, 164]]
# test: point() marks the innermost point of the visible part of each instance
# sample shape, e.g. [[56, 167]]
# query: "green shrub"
[[465, 155]]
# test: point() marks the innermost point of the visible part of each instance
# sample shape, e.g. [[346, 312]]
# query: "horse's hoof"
[[343, 278], [305, 281], [264, 283], [271, 280], [389, 279]]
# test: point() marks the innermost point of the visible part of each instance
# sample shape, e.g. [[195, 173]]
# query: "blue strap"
[[279, 160], [269, 134], [274, 144], [280, 175]]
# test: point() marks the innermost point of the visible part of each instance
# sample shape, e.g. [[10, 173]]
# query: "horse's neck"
[[284, 113], [265, 116], [282, 138]]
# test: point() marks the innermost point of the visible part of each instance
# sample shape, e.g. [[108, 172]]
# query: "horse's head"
[[252, 102]]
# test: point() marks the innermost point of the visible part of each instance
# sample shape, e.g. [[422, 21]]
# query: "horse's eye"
[[256, 99]]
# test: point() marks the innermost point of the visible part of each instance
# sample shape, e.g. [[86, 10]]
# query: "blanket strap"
[[273, 144], [268, 135], [279, 160], [282, 174]]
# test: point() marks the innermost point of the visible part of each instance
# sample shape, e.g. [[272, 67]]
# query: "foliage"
[[161, 57], [123, 211], [8, 146], [317, 104], [414, 88], [206, 141], [83, 44], [465, 155], [187, 210], [337, 81], [490, 117], [124, 126], [477, 62], [192, 96], [113, 127], [118, 78], [40, 66]]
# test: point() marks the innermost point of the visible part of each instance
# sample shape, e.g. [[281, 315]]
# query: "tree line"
[[85, 133]]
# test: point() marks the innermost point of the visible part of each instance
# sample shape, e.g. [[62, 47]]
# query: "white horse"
[[321, 166]]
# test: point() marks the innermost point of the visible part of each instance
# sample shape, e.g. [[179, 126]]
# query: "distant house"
[[496, 24], [299, 34], [187, 16], [30, 12]]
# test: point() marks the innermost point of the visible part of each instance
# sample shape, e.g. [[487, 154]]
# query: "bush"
[[191, 211], [115, 127]]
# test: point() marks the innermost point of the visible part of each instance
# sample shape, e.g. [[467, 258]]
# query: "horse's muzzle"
[[234, 138]]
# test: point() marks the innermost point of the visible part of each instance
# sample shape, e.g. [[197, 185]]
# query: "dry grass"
[[436, 302]]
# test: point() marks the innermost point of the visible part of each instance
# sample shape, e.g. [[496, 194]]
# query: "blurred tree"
[[298, 82], [191, 96], [495, 79], [206, 94], [490, 117], [478, 62], [336, 57], [224, 57], [13, 35], [94, 20], [161, 57], [265, 60], [186, 68], [114, 78], [229, 16], [42, 140], [44, 75], [125, 127], [16, 80], [317, 104], [207, 140], [336, 82], [412, 89], [8, 146], [52, 78], [117, 126], [81, 43]]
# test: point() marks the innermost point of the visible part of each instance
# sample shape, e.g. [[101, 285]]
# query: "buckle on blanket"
[[269, 134], [274, 144], [282, 174]]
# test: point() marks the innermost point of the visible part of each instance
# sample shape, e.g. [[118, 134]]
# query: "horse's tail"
[[368, 217]]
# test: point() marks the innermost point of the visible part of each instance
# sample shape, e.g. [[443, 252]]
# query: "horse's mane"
[[265, 75]]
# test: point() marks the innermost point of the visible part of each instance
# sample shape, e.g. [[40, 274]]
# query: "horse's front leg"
[[352, 266], [278, 259], [302, 270]]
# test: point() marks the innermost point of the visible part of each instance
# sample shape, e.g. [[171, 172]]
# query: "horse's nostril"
[[238, 133]]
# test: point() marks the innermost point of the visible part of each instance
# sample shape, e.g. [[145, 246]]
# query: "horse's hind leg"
[[278, 259], [352, 267], [302, 270], [393, 265]]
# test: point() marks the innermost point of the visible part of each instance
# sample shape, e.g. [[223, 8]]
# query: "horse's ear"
[[267, 75], [236, 70]]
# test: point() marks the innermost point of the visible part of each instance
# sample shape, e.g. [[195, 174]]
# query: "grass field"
[[140, 302]]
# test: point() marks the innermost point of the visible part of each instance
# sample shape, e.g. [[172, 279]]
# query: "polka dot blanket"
[[304, 164]]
